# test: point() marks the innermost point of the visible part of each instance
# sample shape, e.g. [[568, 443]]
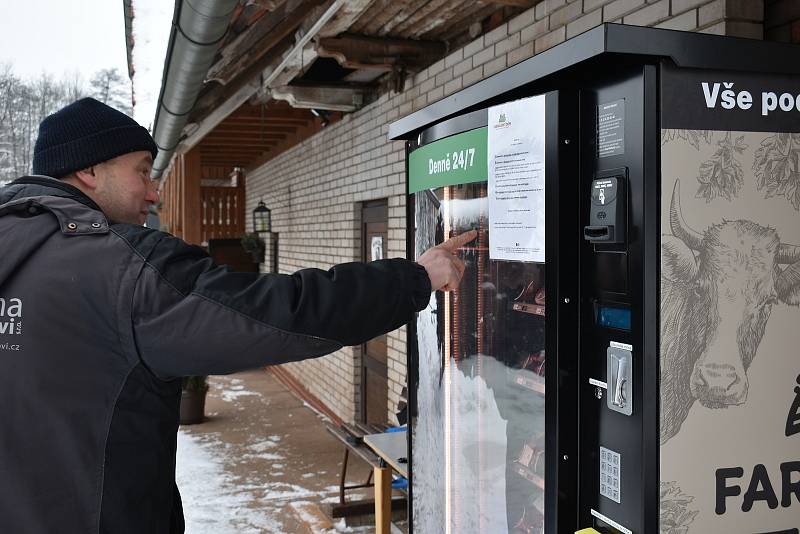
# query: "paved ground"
[[261, 463]]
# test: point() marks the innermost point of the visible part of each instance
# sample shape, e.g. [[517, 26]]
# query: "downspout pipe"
[[198, 27]]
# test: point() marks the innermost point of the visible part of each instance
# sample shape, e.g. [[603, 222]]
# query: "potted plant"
[[253, 244], [193, 399]]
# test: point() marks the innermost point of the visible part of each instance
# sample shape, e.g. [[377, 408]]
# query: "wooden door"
[[374, 380]]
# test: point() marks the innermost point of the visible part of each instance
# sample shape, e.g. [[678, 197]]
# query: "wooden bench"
[[352, 437]]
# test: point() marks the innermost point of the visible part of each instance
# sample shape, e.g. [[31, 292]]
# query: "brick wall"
[[316, 207], [315, 189], [782, 21]]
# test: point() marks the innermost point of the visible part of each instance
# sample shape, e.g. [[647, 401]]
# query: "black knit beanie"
[[85, 133]]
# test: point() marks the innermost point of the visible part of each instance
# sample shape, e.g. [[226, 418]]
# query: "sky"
[[151, 28], [64, 37], [60, 37]]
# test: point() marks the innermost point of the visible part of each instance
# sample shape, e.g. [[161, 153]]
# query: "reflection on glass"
[[478, 435]]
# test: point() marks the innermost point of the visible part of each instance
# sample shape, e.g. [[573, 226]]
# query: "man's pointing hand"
[[444, 268]]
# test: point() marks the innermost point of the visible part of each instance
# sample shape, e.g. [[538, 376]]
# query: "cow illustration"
[[717, 292]]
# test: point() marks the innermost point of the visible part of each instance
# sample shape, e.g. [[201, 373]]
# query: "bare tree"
[[110, 87], [6, 148], [11, 97], [74, 87], [23, 105]]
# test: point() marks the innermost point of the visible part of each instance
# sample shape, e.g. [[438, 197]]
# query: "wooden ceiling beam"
[[320, 97], [360, 51], [392, 9], [281, 118], [266, 121], [245, 65], [347, 15], [221, 159], [303, 133], [228, 151], [246, 15], [251, 131], [449, 16], [217, 113], [234, 161], [378, 6], [239, 161], [252, 44], [408, 11], [235, 147], [244, 62], [217, 102], [273, 110], [300, 59], [516, 3], [284, 123], [227, 163], [256, 127], [236, 143], [269, 5], [479, 12], [218, 159], [428, 13], [229, 158]]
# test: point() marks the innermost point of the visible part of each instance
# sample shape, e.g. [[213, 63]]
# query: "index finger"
[[456, 242]]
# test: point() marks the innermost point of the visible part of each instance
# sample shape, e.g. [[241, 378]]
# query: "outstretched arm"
[[192, 317]]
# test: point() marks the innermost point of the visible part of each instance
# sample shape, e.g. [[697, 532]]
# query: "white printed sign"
[[516, 161], [377, 247]]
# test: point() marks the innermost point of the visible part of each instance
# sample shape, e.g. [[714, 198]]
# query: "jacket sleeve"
[[192, 317]]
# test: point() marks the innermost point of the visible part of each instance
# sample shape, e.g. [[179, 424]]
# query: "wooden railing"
[[222, 210], [197, 214]]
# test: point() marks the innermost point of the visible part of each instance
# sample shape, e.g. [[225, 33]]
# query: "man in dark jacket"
[[100, 317]]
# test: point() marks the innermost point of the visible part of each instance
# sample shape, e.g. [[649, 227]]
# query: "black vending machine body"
[[652, 413]]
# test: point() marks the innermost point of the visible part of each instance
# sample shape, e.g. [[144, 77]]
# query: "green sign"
[[458, 159]]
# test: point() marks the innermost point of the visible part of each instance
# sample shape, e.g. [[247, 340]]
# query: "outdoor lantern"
[[262, 218]]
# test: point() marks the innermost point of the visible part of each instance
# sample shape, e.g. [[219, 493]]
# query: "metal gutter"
[[127, 9], [198, 27]]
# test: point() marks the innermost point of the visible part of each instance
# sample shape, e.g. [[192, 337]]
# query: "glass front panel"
[[478, 435]]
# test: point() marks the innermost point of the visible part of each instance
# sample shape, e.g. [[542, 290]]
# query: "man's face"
[[123, 189]]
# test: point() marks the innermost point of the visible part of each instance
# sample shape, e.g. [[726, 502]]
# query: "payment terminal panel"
[[612, 353], [613, 359]]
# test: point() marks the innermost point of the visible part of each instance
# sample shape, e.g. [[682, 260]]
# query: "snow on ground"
[[232, 389], [230, 395], [217, 504], [229, 486]]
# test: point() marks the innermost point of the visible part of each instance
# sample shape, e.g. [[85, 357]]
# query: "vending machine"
[[621, 354]]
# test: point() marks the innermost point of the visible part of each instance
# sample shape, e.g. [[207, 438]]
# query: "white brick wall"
[[315, 189], [782, 20]]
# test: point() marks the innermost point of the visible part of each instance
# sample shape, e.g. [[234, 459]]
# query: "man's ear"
[[86, 177]]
